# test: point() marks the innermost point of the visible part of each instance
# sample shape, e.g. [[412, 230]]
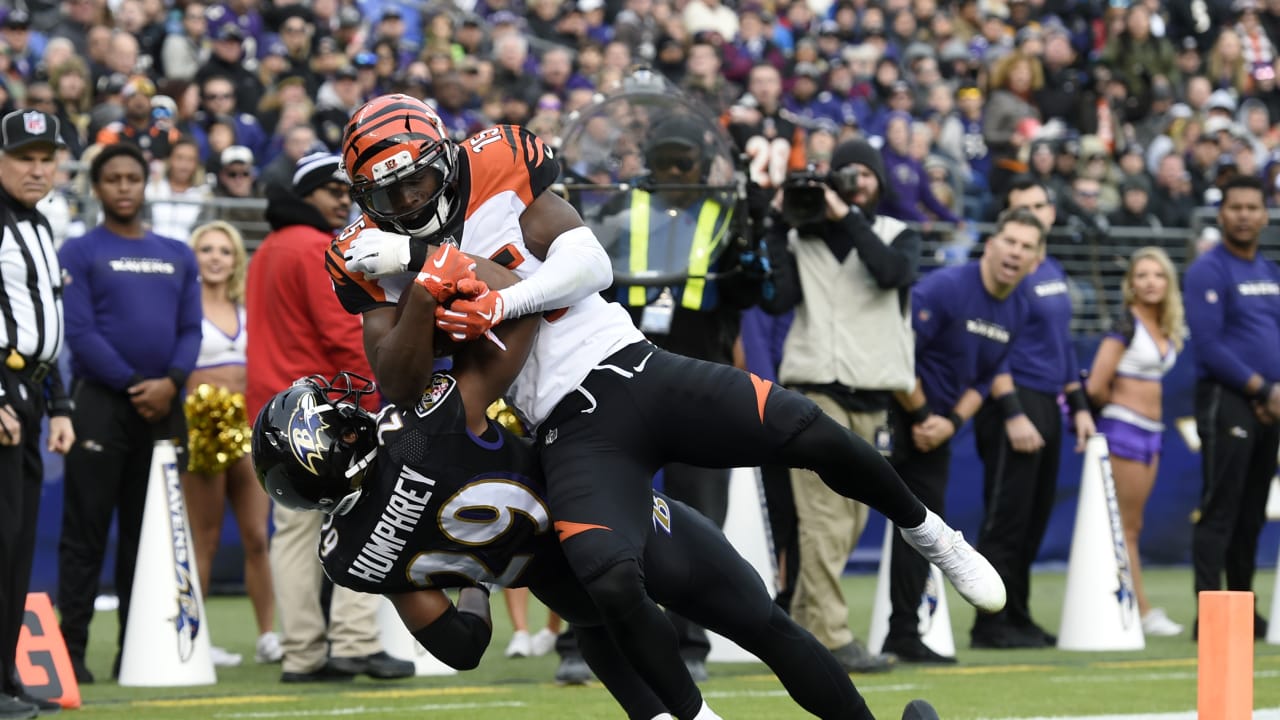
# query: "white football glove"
[[378, 253]]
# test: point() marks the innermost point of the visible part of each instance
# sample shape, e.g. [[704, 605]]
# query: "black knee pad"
[[618, 590]]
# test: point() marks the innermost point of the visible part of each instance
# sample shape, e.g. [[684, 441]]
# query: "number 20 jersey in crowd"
[[427, 519]]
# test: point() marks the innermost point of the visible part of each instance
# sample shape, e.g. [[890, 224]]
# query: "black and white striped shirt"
[[31, 319]]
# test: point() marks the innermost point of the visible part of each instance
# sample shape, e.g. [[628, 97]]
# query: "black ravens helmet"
[[313, 443]]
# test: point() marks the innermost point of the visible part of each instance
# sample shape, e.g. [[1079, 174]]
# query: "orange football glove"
[[467, 318], [444, 270]]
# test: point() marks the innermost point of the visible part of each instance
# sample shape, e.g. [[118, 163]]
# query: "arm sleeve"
[[457, 638], [99, 360], [576, 268], [190, 315], [893, 265], [1205, 320]]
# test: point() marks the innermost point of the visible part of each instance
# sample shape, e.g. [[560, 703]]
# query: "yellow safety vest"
[[706, 236]]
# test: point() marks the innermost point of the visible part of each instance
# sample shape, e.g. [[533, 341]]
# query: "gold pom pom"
[[218, 432], [506, 417]]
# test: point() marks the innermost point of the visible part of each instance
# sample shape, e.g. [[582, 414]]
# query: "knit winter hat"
[[860, 152], [317, 170]]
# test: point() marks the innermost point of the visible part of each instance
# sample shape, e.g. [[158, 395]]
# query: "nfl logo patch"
[[33, 122]]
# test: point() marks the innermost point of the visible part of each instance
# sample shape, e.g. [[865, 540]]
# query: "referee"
[[30, 339]]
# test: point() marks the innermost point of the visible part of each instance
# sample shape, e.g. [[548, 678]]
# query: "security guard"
[[669, 221], [30, 339]]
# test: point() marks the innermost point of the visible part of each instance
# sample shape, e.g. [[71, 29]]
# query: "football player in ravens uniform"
[[609, 407], [433, 495]]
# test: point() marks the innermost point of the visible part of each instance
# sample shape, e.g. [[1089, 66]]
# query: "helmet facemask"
[[415, 198], [313, 443]]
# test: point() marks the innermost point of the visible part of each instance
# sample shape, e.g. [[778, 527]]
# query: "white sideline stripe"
[[1268, 714], [1183, 675], [361, 710]]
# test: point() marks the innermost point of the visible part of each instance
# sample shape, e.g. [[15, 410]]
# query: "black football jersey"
[[426, 518]]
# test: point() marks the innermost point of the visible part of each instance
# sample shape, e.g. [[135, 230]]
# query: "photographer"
[[847, 272]]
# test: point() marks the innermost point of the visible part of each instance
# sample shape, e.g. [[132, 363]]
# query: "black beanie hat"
[[860, 152]]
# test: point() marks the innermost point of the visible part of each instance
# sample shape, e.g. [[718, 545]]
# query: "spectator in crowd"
[[1124, 381], [847, 273], [133, 327], [1232, 310], [1135, 209], [299, 141], [965, 318], [219, 470], [287, 285], [705, 82], [1019, 432], [227, 62], [1171, 197], [1137, 56], [1014, 79], [1225, 65], [177, 198], [219, 101], [155, 137], [236, 180], [337, 99], [30, 383], [907, 185], [73, 95], [76, 19], [668, 217], [184, 52]]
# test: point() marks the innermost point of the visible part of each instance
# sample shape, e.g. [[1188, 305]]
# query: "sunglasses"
[[237, 174], [681, 163], [1088, 193]]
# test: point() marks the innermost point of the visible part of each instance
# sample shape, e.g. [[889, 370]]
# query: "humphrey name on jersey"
[[988, 330], [404, 510]]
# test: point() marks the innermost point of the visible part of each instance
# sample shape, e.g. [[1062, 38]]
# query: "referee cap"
[[22, 128]]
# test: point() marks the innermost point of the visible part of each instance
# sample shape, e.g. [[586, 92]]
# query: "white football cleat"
[[969, 572]]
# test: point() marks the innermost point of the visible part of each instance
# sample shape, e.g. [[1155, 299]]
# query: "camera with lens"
[[804, 200]]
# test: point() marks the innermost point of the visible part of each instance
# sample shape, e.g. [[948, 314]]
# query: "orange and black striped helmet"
[[402, 165]]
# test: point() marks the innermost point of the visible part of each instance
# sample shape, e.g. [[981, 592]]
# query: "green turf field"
[[986, 683]]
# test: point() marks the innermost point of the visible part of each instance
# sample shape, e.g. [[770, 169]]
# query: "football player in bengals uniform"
[[609, 407], [433, 495]]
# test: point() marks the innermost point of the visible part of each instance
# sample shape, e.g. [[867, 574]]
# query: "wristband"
[[956, 421], [1010, 406], [1078, 401], [918, 415]]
